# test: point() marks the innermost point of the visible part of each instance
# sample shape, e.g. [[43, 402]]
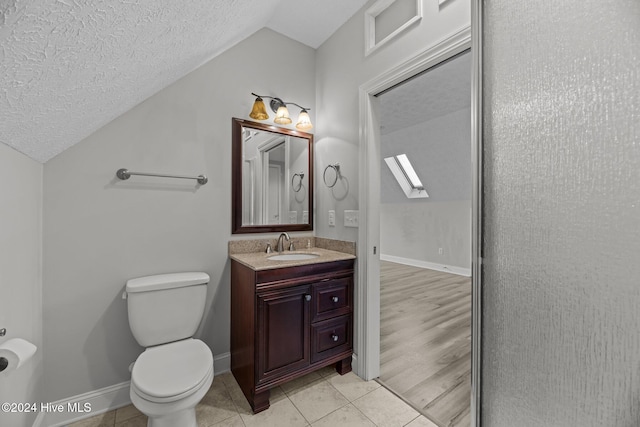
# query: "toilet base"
[[184, 418]]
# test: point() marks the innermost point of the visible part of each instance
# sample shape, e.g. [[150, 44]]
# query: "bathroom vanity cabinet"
[[287, 322]]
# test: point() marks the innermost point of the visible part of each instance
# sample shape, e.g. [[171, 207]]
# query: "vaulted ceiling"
[[68, 67], [440, 90]]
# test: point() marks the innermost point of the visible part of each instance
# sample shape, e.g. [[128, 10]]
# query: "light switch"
[[332, 218], [351, 218]]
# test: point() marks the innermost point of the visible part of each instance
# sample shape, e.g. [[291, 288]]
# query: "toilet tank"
[[166, 307]]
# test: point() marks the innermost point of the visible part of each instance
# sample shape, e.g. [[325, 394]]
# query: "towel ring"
[[300, 175], [336, 168]]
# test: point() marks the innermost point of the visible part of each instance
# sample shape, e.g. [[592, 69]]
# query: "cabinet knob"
[[334, 299], [307, 297], [334, 337]]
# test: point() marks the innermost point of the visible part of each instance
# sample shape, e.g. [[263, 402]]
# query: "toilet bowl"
[[175, 371], [169, 380]]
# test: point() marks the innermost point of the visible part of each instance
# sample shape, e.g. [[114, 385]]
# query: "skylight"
[[406, 176]]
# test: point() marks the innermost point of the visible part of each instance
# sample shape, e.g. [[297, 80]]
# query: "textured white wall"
[[100, 231], [341, 69], [20, 276], [561, 318]]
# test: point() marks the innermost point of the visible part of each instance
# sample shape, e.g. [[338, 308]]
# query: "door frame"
[[367, 343]]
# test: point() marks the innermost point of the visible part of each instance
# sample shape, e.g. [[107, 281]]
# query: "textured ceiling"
[[440, 90], [68, 67], [438, 149]]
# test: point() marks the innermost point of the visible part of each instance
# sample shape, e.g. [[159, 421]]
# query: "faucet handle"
[[268, 250], [291, 247]]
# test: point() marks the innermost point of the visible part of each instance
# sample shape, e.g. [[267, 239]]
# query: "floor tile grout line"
[[297, 409], [413, 419], [327, 379], [312, 384], [294, 390], [352, 404], [233, 401], [349, 401]]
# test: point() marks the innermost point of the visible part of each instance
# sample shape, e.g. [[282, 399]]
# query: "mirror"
[[272, 178]]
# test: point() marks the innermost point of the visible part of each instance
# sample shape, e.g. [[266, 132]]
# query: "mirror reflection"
[[272, 191]]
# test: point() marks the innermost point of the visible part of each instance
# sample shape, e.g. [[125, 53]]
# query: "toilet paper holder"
[[3, 360]]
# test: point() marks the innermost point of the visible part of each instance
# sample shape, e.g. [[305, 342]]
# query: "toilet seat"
[[173, 371]]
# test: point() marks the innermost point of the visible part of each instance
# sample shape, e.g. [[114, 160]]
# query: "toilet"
[[175, 371]]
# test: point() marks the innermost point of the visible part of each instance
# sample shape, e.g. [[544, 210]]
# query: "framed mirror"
[[271, 179]]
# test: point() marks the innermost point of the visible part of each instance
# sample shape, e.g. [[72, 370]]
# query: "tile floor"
[[322, 398]]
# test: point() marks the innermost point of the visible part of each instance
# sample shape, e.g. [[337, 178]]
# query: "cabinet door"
[[283, 331]]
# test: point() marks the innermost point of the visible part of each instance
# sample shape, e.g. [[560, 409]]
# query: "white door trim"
[[476, 211], [368, 287]]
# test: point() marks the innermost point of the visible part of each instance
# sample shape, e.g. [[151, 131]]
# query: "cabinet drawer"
[[330, 337], [331, 298]]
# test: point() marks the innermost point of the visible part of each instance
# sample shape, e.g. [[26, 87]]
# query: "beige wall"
[[100, 231], [21, 276]]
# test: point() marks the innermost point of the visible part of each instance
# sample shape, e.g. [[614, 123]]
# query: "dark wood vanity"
[[287, 322], [290, 315]]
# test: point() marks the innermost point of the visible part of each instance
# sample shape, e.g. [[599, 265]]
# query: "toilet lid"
[[172, 370]]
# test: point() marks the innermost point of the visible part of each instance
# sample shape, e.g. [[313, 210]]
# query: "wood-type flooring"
[[425, 341]]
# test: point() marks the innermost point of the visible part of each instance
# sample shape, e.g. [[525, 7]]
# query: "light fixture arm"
[[302, 108], [276, 102]]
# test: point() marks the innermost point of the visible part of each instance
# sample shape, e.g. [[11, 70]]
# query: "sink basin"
[[292, 257]]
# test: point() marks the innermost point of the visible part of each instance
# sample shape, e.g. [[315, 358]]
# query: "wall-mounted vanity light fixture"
[[259, 112]]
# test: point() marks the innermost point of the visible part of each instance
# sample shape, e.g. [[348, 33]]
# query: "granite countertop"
[[260, 260], [252, 252]]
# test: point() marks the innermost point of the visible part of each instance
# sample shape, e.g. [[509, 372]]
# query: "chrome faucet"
[[280, 245]]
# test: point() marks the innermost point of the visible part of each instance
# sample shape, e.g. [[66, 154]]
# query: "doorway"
[[368, 288], [425, 241]]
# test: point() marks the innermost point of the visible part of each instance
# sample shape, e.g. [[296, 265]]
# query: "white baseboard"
[[103, 400], [430, 265], [84, 406], [222, 363]]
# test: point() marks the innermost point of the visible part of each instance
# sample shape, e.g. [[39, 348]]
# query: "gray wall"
[[440, 152], [20, 276], [415, 232], [561, 317], [100, 231], [341, 69]]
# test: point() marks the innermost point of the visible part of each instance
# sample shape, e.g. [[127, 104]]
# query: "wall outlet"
[[351, 218], [440, 251], [332, 218]]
